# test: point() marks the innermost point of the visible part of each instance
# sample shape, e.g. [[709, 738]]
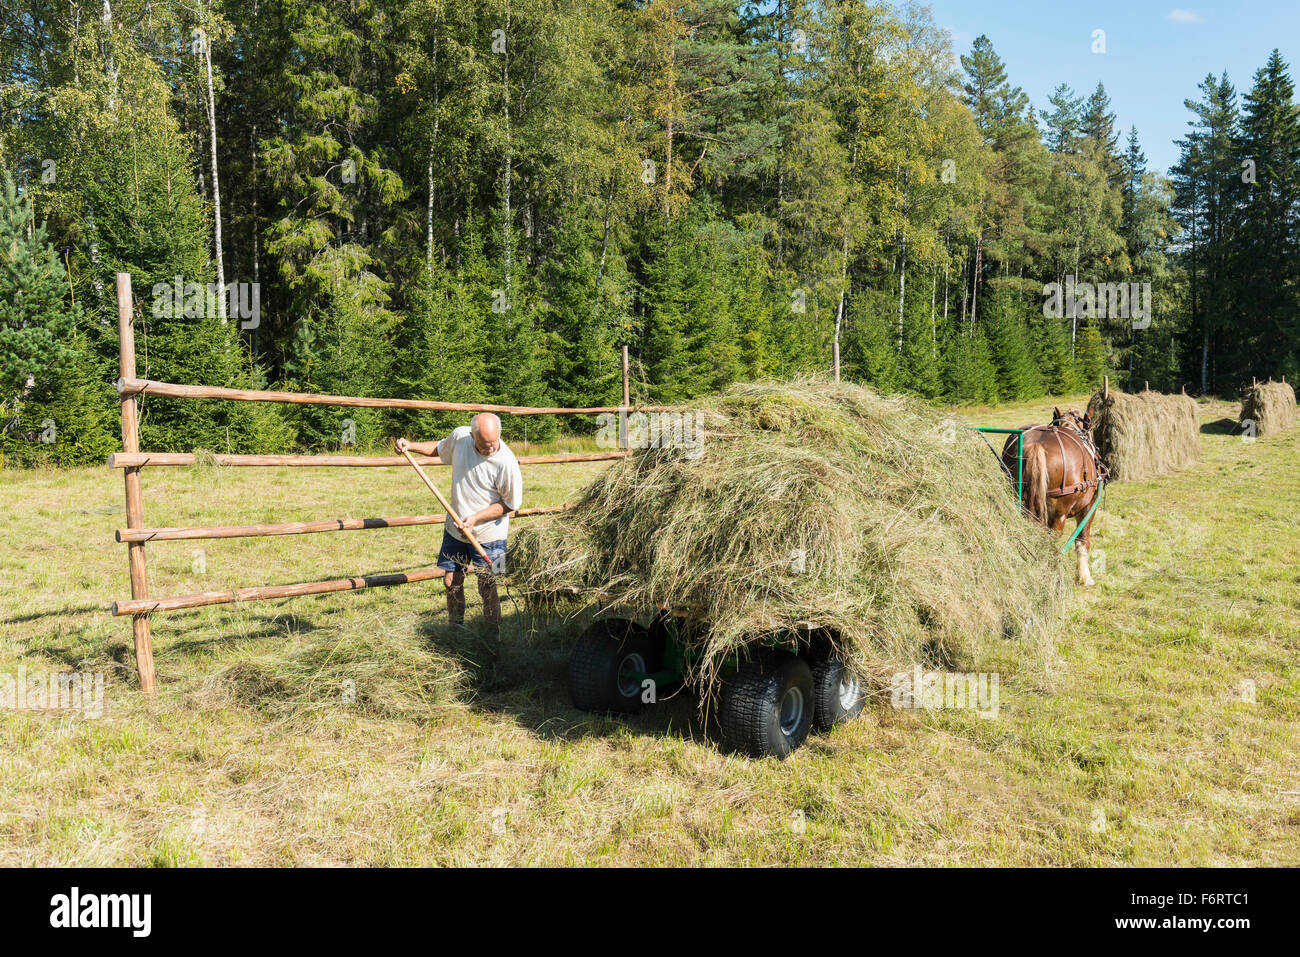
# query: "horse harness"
[[1086, 446]]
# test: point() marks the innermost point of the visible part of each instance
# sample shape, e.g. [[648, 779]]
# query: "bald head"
[[486, 429]]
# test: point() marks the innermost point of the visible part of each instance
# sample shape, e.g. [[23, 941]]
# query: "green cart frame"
[[1020, 455]]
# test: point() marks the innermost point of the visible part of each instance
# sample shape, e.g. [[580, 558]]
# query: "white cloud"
[[1185, 16]]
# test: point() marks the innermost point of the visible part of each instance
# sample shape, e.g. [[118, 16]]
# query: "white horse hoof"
[[1087, 583]]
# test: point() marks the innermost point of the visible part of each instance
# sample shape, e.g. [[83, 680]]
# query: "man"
[[486, 487]]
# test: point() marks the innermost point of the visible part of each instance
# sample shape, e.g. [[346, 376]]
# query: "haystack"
[[1145, 435], [1270, 405], [809, 505]]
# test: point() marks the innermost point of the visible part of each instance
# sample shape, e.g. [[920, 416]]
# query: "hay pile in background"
[[1144, 435], [1270, 405], [809, 504]]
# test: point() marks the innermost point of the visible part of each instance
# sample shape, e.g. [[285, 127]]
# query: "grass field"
[[361, 729]]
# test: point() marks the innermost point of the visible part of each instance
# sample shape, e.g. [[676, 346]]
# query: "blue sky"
[[1155, 55]]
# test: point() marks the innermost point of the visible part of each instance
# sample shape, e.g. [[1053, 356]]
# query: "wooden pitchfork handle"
[[446, 505]]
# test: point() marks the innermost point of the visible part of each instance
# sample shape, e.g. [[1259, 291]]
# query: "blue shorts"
[[455, 555]]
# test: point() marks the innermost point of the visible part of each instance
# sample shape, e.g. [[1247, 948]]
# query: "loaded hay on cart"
[[811, 519]]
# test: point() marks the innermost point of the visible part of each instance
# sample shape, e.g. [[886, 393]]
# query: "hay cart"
[[768, 703]]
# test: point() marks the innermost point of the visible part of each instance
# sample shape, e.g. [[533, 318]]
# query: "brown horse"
[[1063, 476]]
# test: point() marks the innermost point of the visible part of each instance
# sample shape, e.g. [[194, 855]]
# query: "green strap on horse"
[[1101, 487]]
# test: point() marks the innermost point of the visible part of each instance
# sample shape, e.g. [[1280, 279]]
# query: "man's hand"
[[402, 445], [467, 522]]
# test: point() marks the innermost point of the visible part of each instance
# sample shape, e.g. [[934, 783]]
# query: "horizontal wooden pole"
[[199, 599], [133, 386], [187, 533], [127, 460]]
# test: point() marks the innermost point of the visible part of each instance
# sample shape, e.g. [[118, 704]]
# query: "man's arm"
[[467, 522], [510, 487], [416, 448]]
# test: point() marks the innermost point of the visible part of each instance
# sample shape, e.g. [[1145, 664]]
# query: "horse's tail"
[[1036, 483]]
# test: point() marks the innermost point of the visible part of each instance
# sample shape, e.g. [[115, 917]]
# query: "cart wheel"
[[837, 692], [767, 707], [599, 667]]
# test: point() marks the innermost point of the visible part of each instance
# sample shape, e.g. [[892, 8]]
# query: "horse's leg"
[[1082, 544]]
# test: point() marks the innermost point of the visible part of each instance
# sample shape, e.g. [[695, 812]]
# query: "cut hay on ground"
[[380, 674], [1270, 405], [810, 504], [1145, 435]]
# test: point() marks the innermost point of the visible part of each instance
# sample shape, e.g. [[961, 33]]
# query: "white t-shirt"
[[479, 480]]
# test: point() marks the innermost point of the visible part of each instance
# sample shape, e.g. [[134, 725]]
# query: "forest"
[[484, 202]]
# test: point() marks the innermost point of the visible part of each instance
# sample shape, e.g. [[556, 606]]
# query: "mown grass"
[[361, 729]]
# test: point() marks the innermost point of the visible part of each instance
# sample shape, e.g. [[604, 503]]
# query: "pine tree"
[[992, 100], [1053, 357], [969, 373], [1203, 183], [584, 362], [442, 344], [920, 365], [1264, 259], [36, 321], [1017, 376], [871, 351], [1090, 362], [1135, 167], [55, 400], [1098, 125], [1065, 122]]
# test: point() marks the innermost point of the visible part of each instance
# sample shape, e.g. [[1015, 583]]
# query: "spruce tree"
[[1204, 183], [1017, 375], [36, 319], [1065, 120], [1264, 259]]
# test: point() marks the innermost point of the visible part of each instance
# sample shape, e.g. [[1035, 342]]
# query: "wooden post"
[[134, 495], [622, 415], [1146, 385], [1105, 387]]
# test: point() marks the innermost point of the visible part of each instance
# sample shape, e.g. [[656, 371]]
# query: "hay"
[[1145, 435], [1270, 405], [809, 505], [378, 674]]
